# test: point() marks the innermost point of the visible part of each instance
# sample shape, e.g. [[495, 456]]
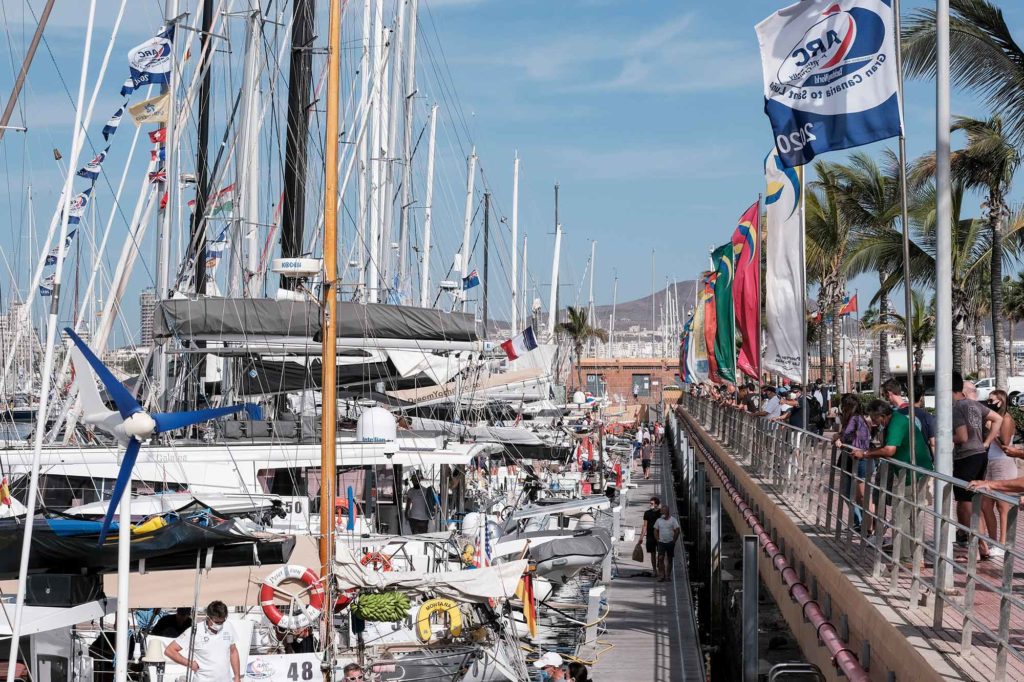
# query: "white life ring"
[[310, 612]]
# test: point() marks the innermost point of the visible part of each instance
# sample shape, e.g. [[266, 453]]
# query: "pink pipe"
[[842, 657]]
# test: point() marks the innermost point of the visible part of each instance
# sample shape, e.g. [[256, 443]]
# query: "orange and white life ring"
[[376, 560], [309, 614], [616, 429]]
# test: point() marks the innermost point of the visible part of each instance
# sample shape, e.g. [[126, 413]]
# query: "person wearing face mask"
[[212, 654], [578, 672], [550, 666]]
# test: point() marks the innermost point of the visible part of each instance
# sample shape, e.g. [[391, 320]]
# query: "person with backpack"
[[805, 412]]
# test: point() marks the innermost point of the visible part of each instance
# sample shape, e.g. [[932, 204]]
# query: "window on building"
[[642, 385], [595, 384]]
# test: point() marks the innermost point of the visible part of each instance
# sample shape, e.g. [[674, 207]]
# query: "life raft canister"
[[309, 614], [448, 607]]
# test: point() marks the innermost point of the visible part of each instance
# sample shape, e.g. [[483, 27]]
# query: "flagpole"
[[908, 340], [757, 264], [856, 348], [803, 277]]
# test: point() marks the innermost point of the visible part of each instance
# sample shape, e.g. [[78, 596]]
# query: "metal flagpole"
[[908, 301], [803, 277], [760, 279], [944, 286]]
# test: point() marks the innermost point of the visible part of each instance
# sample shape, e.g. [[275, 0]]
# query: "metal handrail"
[[819, 478]]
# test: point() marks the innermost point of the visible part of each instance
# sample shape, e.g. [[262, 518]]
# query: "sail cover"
[[256, 318]]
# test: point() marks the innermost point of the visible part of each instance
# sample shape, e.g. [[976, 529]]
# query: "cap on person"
[[550, 658]]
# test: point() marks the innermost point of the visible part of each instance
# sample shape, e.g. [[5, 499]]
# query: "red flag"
[[590, 448], [618, 475], [525, 593], [849, 307], [746, 289], [711, 325], [158, 135]]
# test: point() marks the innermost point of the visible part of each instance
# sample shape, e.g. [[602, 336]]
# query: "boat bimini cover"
[[475, 585]]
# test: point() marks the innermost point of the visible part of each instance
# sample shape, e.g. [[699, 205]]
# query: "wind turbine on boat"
[[130, 424]]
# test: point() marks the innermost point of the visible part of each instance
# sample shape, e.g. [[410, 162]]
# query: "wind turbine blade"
[[131, 453], [169, 421], [126, 403]]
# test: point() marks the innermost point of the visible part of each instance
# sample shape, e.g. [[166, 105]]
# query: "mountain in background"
[[638, 311]]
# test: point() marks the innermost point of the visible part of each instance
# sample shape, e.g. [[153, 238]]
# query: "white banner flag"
[[786, 323]]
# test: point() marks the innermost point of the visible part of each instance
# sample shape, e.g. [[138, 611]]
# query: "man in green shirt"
[[897, 446]]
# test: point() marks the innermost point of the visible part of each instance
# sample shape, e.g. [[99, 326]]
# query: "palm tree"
[[922, 327], [870, 200], [1013, 306], [988, 162], [984, 57], [828, 235], [579, 331]]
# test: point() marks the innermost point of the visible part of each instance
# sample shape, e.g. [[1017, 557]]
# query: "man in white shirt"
[[771, 406], [211, 649], [666, 530]]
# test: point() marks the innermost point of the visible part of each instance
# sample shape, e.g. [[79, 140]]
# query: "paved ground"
[[650, 626]]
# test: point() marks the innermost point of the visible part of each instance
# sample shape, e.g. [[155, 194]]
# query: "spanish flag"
[[5, 493], [525, 593]]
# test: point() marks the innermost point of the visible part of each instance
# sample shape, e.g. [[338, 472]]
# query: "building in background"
[[147, 308], [21, 375]]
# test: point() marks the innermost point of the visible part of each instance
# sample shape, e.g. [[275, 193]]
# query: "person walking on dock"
[[646, 455], [651, 517], [667, 530]]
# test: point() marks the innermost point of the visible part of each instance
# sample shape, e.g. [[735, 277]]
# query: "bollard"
[[594, 599]]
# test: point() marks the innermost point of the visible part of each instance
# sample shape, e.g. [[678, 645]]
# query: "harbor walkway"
[[651, 634]]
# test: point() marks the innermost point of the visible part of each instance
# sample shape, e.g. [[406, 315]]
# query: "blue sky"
[[648, 114]]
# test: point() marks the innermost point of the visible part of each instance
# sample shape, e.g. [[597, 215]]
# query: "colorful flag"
[[159, 135], [849, 306], [51, 258], [128, 87], [525, 593], [152, 110], [218, 203], [158, 154], [711, 325], [78, 205], [746, 242], [151, 62], [159, 175], [725, 334], [471, 280], [830, 78], [685, 348], [215, 249], [698, 351], [785, 326], [5, 493], [111, 127], [92, 169], [520, 344], [47, 285]]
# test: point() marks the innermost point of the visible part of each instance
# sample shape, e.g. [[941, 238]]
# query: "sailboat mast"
[[524, 295], [19, 82], [611, 320], [328, 456], [553, 304], [467, 225], [376, 194], [364, 170], [300, 79], [395, 93], [515, 245], [404, 287], [245, 158], [428, 210], [487, 255], [197, 237]]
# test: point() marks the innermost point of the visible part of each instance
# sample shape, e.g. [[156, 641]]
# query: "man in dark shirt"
[[172, 625], [652, 514]]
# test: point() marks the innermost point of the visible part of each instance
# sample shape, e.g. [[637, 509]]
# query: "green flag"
[[725, 335]]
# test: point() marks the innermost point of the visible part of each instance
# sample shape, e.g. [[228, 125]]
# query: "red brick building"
[[644, 378]]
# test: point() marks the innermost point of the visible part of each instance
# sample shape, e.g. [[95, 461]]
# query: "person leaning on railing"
[[896, 446]]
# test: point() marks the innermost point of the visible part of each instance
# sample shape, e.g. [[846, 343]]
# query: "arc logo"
[[841, 43]]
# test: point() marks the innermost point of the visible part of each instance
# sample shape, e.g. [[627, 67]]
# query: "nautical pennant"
[[92, 170], [51, 258], [150, 62], [112, 123], [78, 205]]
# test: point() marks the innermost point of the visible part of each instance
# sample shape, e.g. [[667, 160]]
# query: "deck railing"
[[906, 527]]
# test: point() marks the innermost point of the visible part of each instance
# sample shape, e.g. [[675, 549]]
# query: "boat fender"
[[448, 607], [309, 614], [376, 560]]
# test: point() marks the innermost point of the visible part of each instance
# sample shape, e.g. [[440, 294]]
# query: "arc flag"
[[830, 79], [710, 325], [746, 289], [784, 284], [697, 353]]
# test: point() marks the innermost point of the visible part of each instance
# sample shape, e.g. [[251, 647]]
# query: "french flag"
[[520, 344]]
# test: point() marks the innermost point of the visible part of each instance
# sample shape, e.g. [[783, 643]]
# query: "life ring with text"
[[447, 607], [376, 560], [309, 613], [616, 429]]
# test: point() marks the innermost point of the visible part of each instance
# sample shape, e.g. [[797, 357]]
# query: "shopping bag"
[[638, 553]]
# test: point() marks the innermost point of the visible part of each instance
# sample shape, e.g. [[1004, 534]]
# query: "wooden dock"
[[651, 634]]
